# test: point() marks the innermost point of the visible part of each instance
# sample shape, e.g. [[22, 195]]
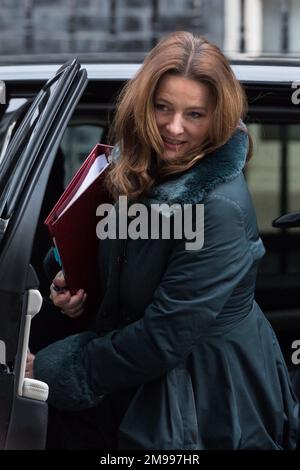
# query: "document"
[[97, 167], [72, 224]]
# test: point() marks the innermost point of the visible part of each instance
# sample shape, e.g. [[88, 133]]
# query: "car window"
[[275, 173], [10, 117], [15, 168], [77, 142], [273, 177]]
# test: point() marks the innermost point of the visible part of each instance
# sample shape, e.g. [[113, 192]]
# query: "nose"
[[175, 125]]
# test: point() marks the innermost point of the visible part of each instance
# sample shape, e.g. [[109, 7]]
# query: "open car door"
[[24, 173]]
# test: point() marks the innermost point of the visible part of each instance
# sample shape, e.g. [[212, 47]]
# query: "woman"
[[182, 356]]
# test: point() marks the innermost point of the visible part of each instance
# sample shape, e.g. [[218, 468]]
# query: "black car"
[[47, 128]]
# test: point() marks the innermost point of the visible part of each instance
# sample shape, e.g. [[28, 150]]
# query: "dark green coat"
[[183, 331]]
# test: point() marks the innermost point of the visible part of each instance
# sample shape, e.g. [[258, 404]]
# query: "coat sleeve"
[[193, 291]]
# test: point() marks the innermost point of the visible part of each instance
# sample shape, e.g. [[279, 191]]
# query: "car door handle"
[[31, 388], [35, 389]]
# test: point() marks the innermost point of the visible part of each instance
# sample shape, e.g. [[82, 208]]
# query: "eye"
[[161, 107], [196, 115]]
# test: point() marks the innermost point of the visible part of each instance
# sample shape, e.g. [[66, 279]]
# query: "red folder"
[[72, 226]]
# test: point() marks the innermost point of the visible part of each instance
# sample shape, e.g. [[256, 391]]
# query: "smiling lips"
[[172, 144]]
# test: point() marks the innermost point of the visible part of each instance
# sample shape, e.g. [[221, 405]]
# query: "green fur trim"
[[221, 166]]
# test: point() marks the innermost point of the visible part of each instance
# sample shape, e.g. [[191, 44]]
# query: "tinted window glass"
[[77, 142], [10, 116], [273, 176]]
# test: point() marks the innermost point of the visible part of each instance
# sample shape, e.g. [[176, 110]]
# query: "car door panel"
[[23, 420]]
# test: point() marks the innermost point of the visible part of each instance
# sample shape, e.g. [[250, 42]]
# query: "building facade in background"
[[41, 27], [260, 27], [101, 26]]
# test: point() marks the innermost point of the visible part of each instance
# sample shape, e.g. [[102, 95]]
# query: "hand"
[[70, 305], [29, 366]]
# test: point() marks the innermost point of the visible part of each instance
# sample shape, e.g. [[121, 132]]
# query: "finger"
[[59, 279], [60, 283], [70, 311], [29, 374], [73, 315], [75, 309], [56, 288], [60, 275], [61, 302], [76, 300], [60, 298], [30, 356], [54, 291]]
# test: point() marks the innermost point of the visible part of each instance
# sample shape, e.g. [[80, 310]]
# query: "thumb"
[[59, 279]]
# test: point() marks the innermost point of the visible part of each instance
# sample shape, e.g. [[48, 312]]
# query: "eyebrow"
[[202, 108], [197, 107]]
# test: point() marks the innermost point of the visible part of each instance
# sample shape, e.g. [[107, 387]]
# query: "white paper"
[[97, 167]]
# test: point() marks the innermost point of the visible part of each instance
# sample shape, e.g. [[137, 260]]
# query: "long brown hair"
[[134, 126]]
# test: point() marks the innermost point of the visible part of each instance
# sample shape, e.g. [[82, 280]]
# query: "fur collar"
[[190, 187], [221, 166]]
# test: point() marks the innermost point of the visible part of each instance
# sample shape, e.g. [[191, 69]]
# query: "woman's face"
[[183, 110]]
